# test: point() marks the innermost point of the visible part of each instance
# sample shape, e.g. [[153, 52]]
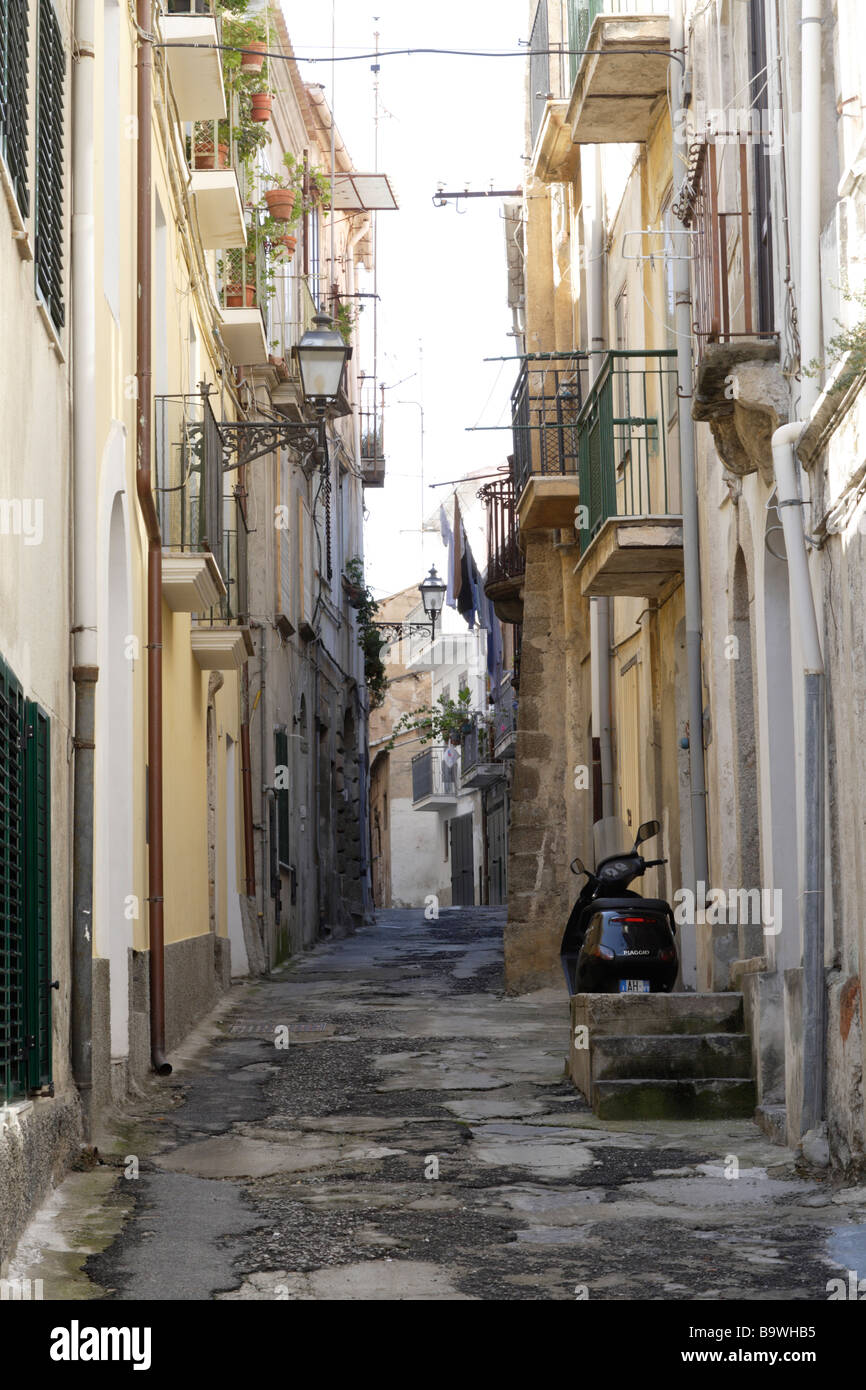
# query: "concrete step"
[[621, 1015], [693, 1099], [672, 1056]]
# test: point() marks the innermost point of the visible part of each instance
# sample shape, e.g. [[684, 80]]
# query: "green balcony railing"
[[582, 13], [628, 454]]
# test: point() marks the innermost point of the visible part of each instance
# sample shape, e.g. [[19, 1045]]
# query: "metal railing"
[[213, 144], [539, 68], [504, 714], [245, 275], [198, 510], [583, 13], [626, 439], [289, 313], [188, 7], [476, 745], [505, 559], [371, 410], [431, 776], [714, 203], [545, 404]]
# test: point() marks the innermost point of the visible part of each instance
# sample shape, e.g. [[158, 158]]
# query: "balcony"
[[244, 293], [631, 533], [545, 405], [504, 721], [506, 563], [434, 784], [739, 388], [215, 184], [290, 311], [204, 532], [372, 412], [615, 90], [478, 764], [196, 73]]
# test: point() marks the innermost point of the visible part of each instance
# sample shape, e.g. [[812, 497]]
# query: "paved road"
[[415, 1139]]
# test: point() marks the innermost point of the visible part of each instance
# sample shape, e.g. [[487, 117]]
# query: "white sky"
[[442, 276]]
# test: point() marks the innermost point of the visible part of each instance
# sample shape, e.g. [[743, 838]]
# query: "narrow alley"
[[415, 1140]]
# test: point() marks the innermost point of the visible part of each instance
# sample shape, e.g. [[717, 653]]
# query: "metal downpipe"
[[143, 483]]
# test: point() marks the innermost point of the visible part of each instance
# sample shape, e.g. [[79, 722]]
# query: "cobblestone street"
[[416, 1140]]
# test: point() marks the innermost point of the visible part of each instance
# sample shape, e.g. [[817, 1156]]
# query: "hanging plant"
[[261, 106], [442, 722], [370, 639]]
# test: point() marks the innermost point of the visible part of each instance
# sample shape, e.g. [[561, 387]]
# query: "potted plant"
[[203, 145], [353, 582], [260, 106], [345, 319]]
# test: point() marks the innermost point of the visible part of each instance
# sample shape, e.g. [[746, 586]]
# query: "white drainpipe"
[[790, 506]]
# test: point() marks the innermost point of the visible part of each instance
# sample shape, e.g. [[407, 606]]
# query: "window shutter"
[[12, 977], [50, 76], [37, 897], [13, 96], [281, 758]]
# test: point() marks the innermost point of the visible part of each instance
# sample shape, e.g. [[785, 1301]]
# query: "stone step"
[[692, 1099], [672, 1056], [621, 1015]]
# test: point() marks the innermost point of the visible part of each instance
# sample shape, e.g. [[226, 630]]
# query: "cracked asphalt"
[[380, 1121]]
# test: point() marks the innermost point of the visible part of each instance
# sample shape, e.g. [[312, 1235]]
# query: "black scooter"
[[616, 941]]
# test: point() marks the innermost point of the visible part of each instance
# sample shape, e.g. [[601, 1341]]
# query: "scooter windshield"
[[611, 836]]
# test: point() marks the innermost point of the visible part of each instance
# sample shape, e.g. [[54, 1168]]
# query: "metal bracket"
[[246, 440], [401, 629]]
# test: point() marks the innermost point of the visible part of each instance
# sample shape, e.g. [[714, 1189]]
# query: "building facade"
[[184, 738], [687, 495]]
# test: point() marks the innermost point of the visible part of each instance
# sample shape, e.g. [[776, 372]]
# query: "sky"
[[442, 273]]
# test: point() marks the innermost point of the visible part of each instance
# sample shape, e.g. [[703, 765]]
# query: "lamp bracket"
[[246, 440], [401, 629]]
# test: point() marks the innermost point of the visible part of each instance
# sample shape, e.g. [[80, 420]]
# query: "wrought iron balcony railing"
[[718, 204], [431, 775], [504, 719], [545, 404], [289, 313], [198, 511], [628, 446], [505, 559]]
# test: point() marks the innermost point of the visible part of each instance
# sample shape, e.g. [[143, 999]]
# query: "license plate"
[[634, 986]]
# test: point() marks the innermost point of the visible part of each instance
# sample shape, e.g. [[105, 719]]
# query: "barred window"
[[13, 96], [25, 892], [281, 760], [50, 75]]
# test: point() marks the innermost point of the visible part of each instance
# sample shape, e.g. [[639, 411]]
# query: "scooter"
[[615, 940]]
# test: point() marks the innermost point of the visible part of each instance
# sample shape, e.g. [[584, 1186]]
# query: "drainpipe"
[[691, 525], [247, 787], [790, 504], [143, 484], [85, 671], [599, 608]]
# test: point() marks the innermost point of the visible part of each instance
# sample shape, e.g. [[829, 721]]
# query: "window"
[[25, 892], [13, 96], [50, 76], [281, 779]]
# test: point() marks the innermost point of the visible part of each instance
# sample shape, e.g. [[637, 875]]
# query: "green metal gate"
[[25, 892]]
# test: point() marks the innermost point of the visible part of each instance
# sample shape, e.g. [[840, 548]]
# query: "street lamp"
[[321, 356], [432, 597]]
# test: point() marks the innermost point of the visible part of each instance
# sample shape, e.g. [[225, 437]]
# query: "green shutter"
[[50, 78], [12, 978], [13, 96], [37, 897], [281, 759]]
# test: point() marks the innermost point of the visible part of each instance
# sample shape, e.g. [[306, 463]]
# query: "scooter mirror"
[[577, 867], [647, 830]]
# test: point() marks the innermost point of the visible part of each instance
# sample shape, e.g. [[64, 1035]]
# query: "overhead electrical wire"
[[430, 52]]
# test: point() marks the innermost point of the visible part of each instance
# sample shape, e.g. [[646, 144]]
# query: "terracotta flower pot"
[[280, 203], [204, 156], [237, 295], [253, 61], [291, 245], [261, 107]]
